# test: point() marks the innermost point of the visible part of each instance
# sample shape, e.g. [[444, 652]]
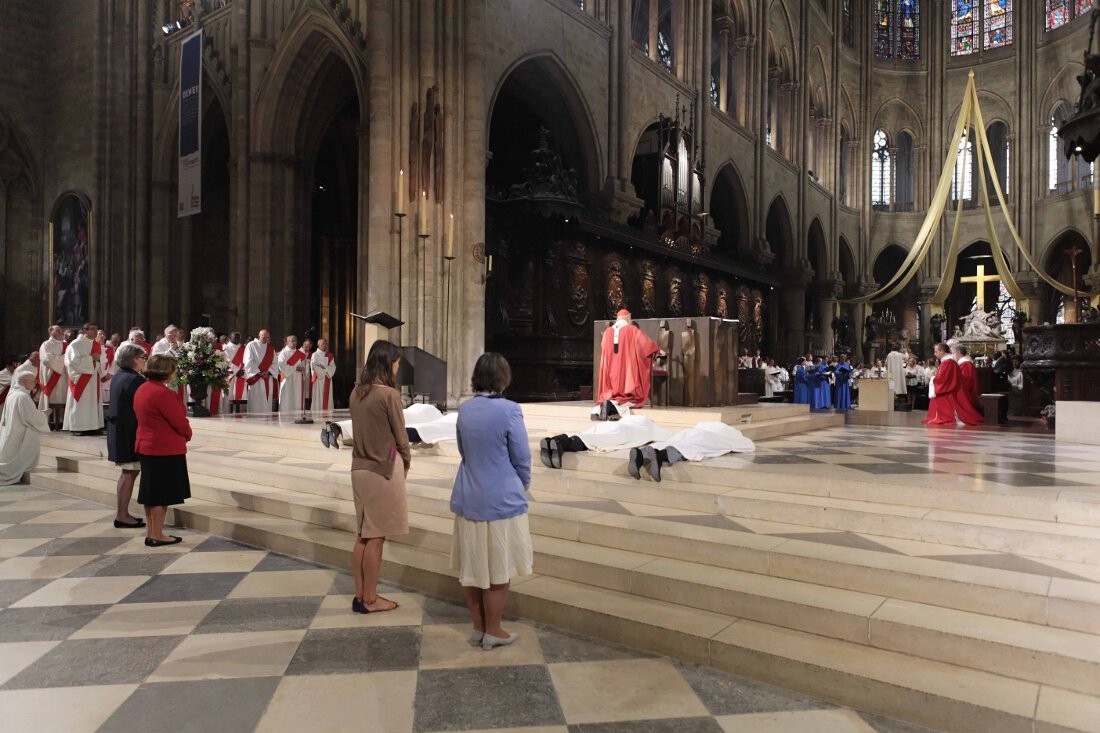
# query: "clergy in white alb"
[[234, 354], [708, 439], [261, 373], [7, 377], [84, 364], [21, 424], [895, 370], [425, 424], [110, 369], [293, 376], [170, 345], [52, 381], [324, 367]]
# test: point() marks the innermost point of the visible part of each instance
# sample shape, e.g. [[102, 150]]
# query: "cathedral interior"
[[502, 174]]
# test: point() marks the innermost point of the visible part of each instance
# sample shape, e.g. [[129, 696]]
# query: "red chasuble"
[[625, 369], [950, 400], [968, 381]]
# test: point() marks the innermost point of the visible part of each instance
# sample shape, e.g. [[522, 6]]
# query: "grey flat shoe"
[[490, 641], [476, 637]]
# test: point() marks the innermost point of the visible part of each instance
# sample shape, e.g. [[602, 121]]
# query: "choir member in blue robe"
[[801, 383], [843, 374], [820, 398]]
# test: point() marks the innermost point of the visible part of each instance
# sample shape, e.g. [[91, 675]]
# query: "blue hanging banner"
[[190, 162]]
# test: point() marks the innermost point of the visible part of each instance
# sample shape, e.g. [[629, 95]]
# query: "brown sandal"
[[367, 605]]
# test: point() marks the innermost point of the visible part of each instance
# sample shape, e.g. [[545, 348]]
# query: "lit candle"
[[490, 263], [399, 203], [449, 252], [422, 215]]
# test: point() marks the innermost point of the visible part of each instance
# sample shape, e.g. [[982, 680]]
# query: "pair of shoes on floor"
[[647, 457], [550, 452], [150, 542], [488, 641], [138, 523], [476, 637], [331, 435]]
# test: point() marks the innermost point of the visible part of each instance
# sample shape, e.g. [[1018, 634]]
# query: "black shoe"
[[357, 606], [634, 463], [325, 436], [544, 452], [555, 453], [150, 542], [652, 463], [137, 524], [612, 412], [335, 435]]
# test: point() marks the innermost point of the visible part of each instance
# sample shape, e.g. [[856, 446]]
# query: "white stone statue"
[[981, 325]]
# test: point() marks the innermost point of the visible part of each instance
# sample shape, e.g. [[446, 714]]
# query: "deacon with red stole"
[[968, 377], [324, 366], [625, 363], [261, 373], [84, 364], [234, 352], [109, 366], [946, 400], [52, 380], [293, 378]]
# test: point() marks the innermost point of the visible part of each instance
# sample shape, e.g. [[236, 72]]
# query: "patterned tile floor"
[[100, 633]]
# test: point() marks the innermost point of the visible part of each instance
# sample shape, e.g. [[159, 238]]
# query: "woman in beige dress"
[[377, 476]]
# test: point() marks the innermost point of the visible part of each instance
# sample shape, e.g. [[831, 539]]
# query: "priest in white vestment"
[[293, 376], [7, 377], [261, 373], [234, 354], [84, 364], [324, 367], [52, 381], [21, 424], [895, 370]]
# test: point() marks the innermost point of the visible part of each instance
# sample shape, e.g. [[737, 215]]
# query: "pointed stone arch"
[[729, 212]]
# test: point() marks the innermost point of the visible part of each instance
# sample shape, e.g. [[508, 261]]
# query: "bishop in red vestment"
[[626, 356], [946, 393]]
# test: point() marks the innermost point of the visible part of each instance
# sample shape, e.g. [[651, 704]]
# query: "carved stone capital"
[[831, 287], [1031, 284], [762, 251], [799, 275]]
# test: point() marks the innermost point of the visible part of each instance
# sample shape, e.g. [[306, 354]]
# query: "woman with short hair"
[[161, 444], [377, 482], [491, 543], [122, 429]]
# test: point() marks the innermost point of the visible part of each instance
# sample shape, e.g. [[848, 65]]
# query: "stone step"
[[1068, 659], [934, 693]]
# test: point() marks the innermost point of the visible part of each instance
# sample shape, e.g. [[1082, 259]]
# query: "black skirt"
[[163, 481]]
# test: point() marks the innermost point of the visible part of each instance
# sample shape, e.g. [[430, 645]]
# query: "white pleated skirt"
[[491, 553]]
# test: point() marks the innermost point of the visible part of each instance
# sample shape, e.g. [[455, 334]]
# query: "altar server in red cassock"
[[626, 356], [947, 405], [968, 377], [293, 378], [261, 373], [84, 364]]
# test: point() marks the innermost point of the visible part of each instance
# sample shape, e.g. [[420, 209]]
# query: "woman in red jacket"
[[161, 444]]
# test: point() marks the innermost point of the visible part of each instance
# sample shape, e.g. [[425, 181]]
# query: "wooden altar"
[[715, 359], [1065, 359]]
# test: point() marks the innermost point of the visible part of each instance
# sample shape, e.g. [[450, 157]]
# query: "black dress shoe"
[[634, 463], [652, 463], [325, 436], [544, 452], [122, 525], [150, 542], [335, 435], [555, 453]]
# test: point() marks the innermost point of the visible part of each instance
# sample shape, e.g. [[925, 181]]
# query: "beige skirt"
[[491, 553], [380, 503]]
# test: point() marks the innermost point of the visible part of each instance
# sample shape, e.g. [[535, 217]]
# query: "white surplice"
[[324, 367], [293, 380], [237, 386], [895, 370], [20, 426], [51, 361], [261, 391], [84, 406], [708, 439]]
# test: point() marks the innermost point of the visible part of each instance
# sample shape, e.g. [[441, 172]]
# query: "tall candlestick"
[[422, 215], [449, 251], [399, 196]]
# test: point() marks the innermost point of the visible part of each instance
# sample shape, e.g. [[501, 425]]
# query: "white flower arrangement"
[[201, 362]]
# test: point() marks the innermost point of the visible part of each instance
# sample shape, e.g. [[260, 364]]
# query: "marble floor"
[[100, 633]]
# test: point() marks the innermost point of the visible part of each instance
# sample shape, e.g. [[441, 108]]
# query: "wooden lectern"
[[377, 325]]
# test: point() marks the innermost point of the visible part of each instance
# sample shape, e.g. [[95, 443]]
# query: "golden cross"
[[980, 280]]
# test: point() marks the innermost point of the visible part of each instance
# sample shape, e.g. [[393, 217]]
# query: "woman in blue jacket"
[[491, 542]]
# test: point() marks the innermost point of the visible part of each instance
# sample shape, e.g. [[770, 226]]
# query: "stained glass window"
[[896, 29], [998, 23], [1060, 12], [908, 30], [848, 29], [964, 27], [884, 29], [881, 170]]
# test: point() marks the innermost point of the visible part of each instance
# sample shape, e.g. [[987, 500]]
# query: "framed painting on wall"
[[70, 243]]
